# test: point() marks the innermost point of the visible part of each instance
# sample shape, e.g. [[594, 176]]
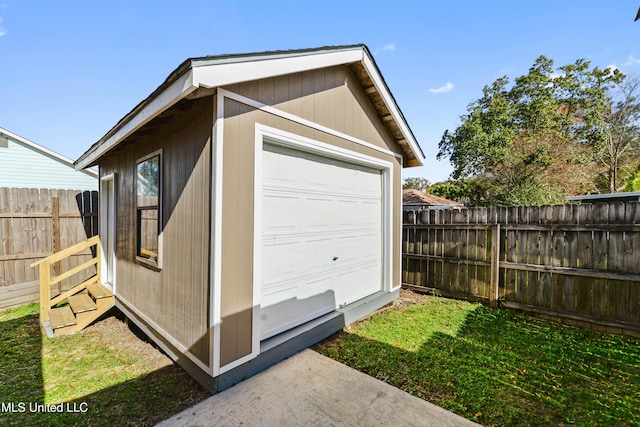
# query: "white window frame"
[[142, 260]]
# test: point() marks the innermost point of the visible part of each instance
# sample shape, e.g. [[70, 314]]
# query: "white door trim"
[[108, 199]]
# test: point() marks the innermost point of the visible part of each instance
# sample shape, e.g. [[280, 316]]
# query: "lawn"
[[496, 367], [106, 373]]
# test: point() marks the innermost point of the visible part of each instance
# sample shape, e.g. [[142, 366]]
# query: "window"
[[148, 202]]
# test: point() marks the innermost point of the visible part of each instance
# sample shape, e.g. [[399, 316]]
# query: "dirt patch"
[[408, 297], [115, 333]]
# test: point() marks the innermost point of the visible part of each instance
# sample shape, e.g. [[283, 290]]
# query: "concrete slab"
[[312, 390]]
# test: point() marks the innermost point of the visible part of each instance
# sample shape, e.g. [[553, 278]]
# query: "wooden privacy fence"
[[34, 223], [578, 263]]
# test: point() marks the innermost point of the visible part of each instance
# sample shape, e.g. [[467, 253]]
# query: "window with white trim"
[[148, 209]]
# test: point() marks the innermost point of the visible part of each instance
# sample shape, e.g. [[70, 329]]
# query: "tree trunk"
[[613, 176]]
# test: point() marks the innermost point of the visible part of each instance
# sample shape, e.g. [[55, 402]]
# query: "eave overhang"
[[208, 73]]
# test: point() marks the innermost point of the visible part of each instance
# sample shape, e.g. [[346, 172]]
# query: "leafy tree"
[[535, 141], [620, 149], [633, 183], [471, 192], [421, 184]]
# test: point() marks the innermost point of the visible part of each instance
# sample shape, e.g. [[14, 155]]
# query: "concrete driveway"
[[312, 390]]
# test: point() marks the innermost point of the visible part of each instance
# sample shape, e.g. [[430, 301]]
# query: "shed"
[[251, 205], [22, 163]]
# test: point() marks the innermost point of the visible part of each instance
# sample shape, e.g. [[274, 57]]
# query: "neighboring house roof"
[[25, 164], [411, 196], [609, 197], [210, 72]]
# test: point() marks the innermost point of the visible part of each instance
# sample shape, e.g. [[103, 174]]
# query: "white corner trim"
[[216, 230], [378, 82], [297, 119], [183, 86]]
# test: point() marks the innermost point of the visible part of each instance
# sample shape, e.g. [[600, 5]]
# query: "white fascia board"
[[215, 75], [376, 78], [44, 150], [183, 86]]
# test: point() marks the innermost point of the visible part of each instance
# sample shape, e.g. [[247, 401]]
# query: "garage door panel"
[[369, 246], [347, 213], [370, 215], [318, 253], [277, 259], [352, 283], [314, 217], [330, 209], [282, 212], [313, 299]]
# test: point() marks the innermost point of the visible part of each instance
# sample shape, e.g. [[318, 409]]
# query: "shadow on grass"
[[20, 368], [499, 367], [144, 400]]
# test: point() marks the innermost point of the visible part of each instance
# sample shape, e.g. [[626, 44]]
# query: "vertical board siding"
[[176, 296], [28, 225], [450, 251]]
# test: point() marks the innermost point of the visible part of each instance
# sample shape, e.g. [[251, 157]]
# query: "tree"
[[533, 142], [421, 184], [471, 192], [621, 145]]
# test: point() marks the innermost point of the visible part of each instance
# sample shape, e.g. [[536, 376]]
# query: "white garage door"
[[322, 236]]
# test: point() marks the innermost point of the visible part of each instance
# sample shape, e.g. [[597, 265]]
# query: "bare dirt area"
[[115, 333], [408, 297]]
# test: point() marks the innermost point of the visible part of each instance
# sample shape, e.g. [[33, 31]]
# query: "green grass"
[[497, 367], [119, 386]]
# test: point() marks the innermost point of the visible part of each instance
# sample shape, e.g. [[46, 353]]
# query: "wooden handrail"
[[46, 281], [69, 251], [74, 270]]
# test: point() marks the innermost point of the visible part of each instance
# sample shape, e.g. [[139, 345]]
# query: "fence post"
[[45, 291], [55, 216], [495, 266]]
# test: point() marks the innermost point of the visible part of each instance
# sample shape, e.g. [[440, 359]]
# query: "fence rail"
[[34, 223], [579, 262]]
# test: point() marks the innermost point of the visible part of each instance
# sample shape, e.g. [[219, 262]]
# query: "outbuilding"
[[252, 204]]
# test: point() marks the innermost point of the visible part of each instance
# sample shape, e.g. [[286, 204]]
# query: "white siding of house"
[[22, 166]]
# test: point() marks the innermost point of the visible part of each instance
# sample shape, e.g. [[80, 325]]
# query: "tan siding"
[[331, 97], [175, 298], [328, 97], [237, 240]]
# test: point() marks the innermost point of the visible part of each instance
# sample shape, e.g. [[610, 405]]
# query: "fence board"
[[576, 259], [600, 260], [26, 235], [617, 290], [510, 244], [632, 249]]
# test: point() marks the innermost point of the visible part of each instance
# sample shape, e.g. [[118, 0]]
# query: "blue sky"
[[69, 70]]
